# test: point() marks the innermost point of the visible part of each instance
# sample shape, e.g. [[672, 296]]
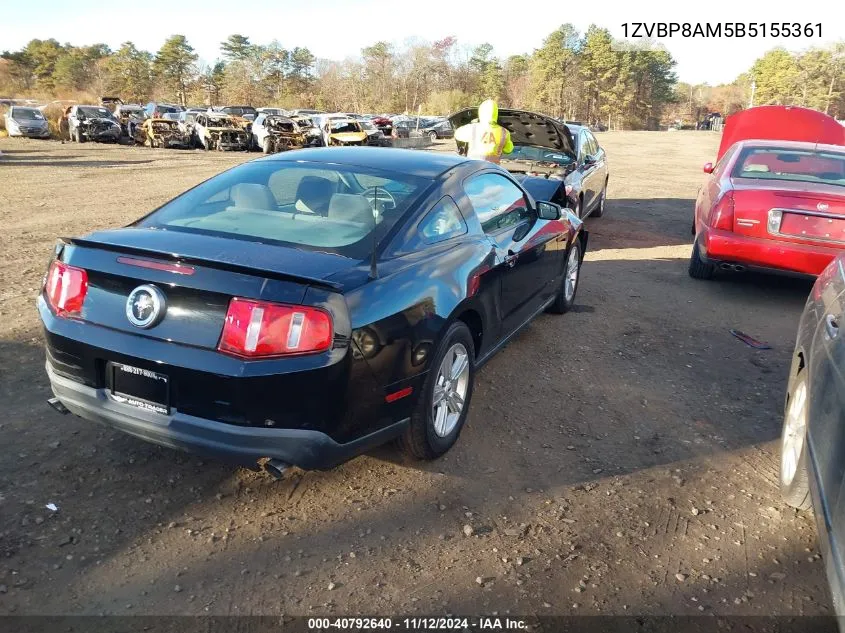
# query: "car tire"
[[794, 473], [432, 136], [77, 136], [579, 207], [599, 210], [698, 268], [565, 298], [435, 429], [265, 146]]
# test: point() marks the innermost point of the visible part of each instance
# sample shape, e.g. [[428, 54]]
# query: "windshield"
[[340, 127], [329, 208], [27, 114], [94, 112], [539, 155], [773, 163]]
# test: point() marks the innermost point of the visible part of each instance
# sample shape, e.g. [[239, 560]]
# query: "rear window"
[[773, 163], [328, 208]]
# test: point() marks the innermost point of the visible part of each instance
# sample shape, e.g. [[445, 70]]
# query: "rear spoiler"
[[209, 263]]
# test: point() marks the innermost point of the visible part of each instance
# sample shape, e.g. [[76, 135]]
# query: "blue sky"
[[335, 29]]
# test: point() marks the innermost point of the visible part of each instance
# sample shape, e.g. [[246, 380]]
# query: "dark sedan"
[[812, 465], [307, 306], [563, 163]]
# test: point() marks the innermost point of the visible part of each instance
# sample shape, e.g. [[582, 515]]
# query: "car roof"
[[804, 145], [407, 161]]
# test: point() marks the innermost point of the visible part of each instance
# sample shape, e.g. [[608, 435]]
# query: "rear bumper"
[[763, 254], [308, 449]]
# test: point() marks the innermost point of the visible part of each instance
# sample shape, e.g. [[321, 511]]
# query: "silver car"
[[29, 122]]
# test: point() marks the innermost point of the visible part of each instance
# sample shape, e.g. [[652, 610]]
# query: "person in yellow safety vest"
[[486, 140]]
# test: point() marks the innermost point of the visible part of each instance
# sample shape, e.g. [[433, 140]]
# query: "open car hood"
[[526, 128], [781, 123]]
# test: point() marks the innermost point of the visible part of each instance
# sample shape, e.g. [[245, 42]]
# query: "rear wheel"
[[599, 210], [444, 402], [698, 268], [565, 298], [794, 475], [432, 136]]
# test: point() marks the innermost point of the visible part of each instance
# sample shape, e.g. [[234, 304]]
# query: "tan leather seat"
[[351, 207], [252, 196]]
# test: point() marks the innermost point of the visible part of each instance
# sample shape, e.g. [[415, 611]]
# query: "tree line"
[[814, 78], [579, 76]]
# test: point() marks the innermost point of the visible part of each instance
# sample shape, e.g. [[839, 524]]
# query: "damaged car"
[[93, 123], [130, 116], [557, 162], [165, 133], [312, 134], [28, 122], [273, 133], [214, 130], [341, 131], [374, 135]]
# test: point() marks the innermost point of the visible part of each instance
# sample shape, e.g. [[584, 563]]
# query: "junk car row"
[[244, 128]]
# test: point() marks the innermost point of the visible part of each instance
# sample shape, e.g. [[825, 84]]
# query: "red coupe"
[[775, 199]]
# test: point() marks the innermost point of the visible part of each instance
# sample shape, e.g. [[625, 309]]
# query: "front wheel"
[[266, 146], [794, 475], [432, 136], [565, 298], [444, 402]]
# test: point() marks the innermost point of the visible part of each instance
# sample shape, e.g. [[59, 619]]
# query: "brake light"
[[255, 329], [66, 287], [722, 216]]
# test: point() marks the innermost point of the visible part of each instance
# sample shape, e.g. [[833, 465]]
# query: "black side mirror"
[[548, 211]]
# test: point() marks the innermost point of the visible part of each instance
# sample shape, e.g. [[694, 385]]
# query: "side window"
[[594, 144], [497, 202], [444, 221], [583, 148]]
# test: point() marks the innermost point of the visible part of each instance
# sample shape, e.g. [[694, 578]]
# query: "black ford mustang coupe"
[[307, 306]]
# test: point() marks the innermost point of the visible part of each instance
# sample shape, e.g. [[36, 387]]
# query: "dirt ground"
[[620, 459]]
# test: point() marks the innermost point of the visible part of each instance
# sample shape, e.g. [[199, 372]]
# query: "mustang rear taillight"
[[257, 329], [722, 216], [65, 288]]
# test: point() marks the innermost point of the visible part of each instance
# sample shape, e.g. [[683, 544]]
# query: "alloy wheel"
[[450, 390], [794, 433], [570, 281]]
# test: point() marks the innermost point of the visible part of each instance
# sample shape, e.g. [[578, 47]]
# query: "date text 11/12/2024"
[[493, 623], [721, 29]]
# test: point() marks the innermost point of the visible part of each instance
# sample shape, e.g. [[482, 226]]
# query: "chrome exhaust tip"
[[276, 468], [56, 404]]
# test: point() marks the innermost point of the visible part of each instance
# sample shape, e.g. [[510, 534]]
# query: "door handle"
[[510, 259], [831, 326]]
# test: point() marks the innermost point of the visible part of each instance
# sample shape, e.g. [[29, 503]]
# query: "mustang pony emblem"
[[145, 306]]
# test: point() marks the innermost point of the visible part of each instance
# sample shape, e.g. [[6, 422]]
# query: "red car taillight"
[[65, 288], [256, 329], [722, 216]]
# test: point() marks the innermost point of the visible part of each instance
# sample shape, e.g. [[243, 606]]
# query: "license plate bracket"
[[141, 388]]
